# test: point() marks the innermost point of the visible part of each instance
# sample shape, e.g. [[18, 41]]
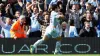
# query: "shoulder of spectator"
[[81, 31]]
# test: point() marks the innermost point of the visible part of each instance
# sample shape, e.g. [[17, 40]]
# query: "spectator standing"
[[87, 31], [74, 14], [6, 27], [35, 30], [16, 16], [17, 29], [89, 17], [97, 18]]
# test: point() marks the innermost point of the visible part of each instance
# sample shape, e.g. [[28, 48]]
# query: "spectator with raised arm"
[[74, 14], [35, 25], [19, 6], [6, 27]]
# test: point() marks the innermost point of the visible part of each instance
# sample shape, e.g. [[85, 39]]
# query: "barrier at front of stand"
[[69, 46]]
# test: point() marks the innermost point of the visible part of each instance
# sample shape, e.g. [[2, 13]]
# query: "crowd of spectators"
[[29, 18]]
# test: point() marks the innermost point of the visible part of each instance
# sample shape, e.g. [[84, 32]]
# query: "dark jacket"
[[85, 33]]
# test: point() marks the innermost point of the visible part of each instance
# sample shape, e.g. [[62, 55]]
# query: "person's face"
[[46, 18], [9, 21], [88, 16], [35, 10], [17, 14], [23, 20], [87, 25], [88, 6], [63, 26], [75, 7]]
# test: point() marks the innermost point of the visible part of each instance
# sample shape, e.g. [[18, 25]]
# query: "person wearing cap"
[[74, 13], [17, 28]]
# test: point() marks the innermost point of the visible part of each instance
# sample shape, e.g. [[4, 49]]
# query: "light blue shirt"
[[53, 19], [35, 26], [7, 31], [53, 2], [94, 4]]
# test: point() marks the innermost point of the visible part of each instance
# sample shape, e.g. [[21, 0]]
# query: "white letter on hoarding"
[[8, 51], [24, 50], [89, 48]]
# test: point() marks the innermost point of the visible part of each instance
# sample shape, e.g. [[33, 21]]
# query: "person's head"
[[88, 6], [22, 19], [46, 17], [8, 21], [87, 24], [55, 7], [75, 6], [97, 10], [88, 15], [17, 14], [1, 5], [64, 25], [45, 13], [35, 10]]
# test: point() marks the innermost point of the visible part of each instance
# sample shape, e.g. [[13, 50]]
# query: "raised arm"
[[97, 3], [67, 6], [2, 24]]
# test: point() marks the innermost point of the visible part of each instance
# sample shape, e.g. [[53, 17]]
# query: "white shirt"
[[72, 31]]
